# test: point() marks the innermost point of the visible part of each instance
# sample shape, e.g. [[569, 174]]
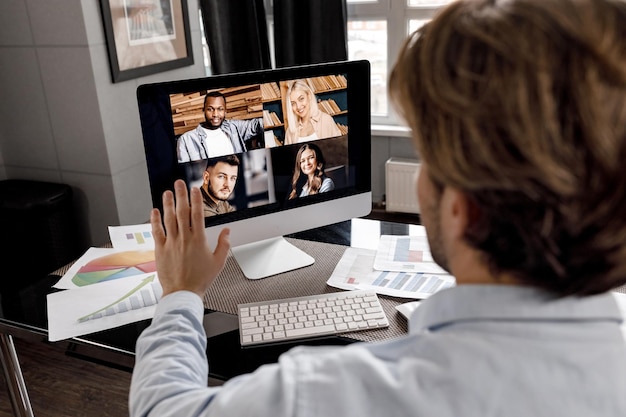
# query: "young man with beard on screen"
[[218, 183]]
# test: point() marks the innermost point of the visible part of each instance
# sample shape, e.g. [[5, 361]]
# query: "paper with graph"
[[102, 306], [355, 270], [107, 264], [137, 236], [405, 254]]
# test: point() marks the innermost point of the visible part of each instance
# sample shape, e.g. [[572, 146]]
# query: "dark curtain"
[[310, 31], [236, 33]]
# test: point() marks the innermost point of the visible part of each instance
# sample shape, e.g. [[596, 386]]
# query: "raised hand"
[[184, 258]]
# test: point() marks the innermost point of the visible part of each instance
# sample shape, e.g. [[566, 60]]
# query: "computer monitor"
[[275, 152]]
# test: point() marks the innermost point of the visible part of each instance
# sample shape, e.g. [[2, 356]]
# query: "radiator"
[[400, 185]]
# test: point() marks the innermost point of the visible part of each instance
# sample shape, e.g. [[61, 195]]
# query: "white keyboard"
[[305, 317]]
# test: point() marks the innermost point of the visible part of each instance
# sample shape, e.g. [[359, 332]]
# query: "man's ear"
[[458, 211]]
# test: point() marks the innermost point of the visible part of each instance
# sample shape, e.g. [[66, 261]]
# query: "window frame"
[[397, 14]]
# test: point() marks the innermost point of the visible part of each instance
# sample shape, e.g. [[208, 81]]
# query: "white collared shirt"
[[472, 350]]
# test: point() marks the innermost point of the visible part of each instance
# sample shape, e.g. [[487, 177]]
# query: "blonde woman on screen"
[[305, 121]]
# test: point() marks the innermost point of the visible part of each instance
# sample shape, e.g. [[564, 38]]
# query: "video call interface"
[[268, 145]]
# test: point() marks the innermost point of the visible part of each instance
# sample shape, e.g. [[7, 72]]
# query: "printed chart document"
[[107, 287], [107, 264], [102, 306], [137, 236], [355, 270], [405, 254]]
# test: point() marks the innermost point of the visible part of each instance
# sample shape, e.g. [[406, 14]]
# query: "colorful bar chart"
[[140, 238]]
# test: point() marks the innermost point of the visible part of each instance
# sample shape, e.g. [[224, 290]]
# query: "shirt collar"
[[509, 303], [207, 199], [200, 131]]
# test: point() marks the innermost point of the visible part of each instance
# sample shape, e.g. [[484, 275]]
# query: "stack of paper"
[[107, 287], [401, 266]]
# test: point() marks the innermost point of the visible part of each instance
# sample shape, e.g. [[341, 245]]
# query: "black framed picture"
[[146, 36]]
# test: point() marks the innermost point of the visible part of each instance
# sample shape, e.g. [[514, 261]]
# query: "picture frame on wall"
[[146, 36]]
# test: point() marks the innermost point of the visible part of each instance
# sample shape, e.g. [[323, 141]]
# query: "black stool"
[[38, 231]]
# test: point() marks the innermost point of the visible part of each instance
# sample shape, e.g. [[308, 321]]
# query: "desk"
[[23, 312]]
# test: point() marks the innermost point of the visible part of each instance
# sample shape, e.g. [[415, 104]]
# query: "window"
[[367, 39], [376, 31]]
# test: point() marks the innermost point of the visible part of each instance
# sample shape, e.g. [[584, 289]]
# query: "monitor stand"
[[269, 257]]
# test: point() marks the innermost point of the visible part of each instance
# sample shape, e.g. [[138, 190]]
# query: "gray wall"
[[63, 120], [383, 148], [61, 117], [3, 172]]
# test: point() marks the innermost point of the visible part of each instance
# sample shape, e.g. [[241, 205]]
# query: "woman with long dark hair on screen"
[[308, 174]]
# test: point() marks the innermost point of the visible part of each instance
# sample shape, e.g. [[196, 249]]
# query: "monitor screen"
[[274, 152]]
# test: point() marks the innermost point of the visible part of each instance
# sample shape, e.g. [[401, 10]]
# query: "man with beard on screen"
[[219, 181], [217, 135]]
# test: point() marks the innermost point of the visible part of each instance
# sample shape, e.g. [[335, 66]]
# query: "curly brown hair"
[[521, 104]]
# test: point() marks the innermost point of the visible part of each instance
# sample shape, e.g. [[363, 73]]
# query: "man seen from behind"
[[518, 113]]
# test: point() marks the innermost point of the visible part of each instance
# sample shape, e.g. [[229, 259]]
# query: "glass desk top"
[[23, 311]]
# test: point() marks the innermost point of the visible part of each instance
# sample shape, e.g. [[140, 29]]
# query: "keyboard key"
[[257, 330], [310, 331]]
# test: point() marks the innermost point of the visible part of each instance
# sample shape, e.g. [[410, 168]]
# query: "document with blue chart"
[[405, 254], [355, 270]]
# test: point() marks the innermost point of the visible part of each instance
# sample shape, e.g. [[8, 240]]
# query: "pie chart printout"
[[115, 266]]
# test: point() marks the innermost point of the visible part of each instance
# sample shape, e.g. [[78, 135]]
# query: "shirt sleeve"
[[334, 129], [248, 128], [326, 126], [181, 148], [171, 371], [327, 185], [188, 146]]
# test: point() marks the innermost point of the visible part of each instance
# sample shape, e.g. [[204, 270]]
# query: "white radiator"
[[401, 185]]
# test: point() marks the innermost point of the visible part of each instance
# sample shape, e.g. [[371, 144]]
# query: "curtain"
[[310, 31], [236, 34]]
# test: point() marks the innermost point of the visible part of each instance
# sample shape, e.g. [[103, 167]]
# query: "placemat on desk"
[[231, 287]]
